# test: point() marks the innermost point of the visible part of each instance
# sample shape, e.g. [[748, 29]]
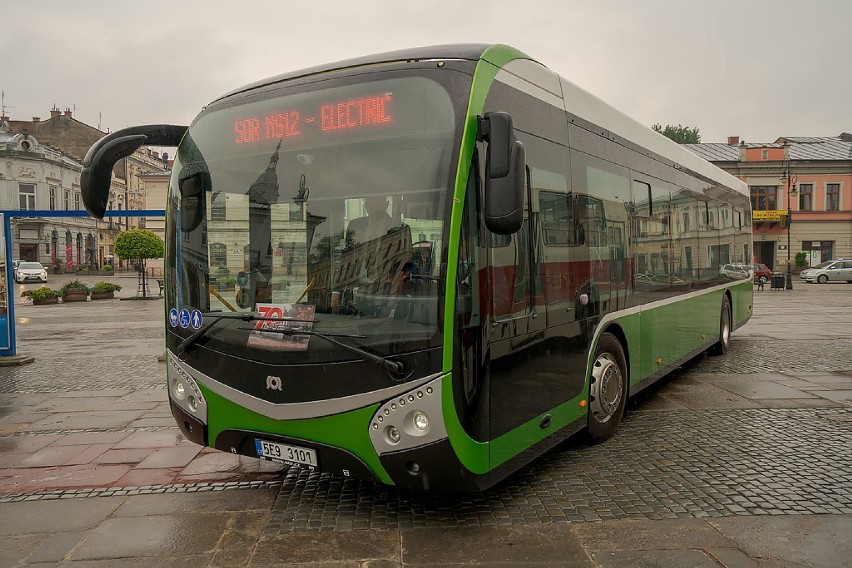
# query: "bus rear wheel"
[[607, 388], [724, 343]]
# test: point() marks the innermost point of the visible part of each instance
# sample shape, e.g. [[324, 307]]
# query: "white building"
[[35, 176]]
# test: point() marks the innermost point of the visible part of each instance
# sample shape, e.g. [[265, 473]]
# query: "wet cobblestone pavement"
[[764, 433], [659, 466]]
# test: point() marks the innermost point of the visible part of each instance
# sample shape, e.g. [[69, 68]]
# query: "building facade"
[[811, 177], [35, 176], [62, 138]]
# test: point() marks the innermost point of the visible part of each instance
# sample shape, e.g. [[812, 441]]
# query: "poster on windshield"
[[283, 327]]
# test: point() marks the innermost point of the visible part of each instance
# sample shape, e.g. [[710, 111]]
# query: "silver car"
[[829, 271], [28, 271]]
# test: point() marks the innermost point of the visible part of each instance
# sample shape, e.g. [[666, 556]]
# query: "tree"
[[139, 245], [680, 134]]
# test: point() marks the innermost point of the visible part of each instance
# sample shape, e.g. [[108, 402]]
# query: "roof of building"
[[801, 148], [818, 147], [715, 151]]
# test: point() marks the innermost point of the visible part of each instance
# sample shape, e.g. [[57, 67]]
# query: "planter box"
[[45, 301], [75, 297], [103, 295]]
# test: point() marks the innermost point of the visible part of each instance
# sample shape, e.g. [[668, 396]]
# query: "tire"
[[822, 278], [724, 342], [763, 279], [607, 388]]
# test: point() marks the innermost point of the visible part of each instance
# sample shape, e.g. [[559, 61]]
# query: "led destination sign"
[[350, 115]]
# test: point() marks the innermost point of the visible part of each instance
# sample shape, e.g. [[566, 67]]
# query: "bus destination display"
[[350, 115]]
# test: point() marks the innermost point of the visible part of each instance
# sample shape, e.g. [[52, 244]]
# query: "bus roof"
[[577, 102], [471, 52]]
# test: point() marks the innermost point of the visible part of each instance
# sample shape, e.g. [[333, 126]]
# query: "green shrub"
[[801, 258], [74, 286], [42, 293], [107, 267], [105, 287]]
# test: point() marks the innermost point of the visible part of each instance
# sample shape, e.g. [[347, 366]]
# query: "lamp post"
[[791, 191]]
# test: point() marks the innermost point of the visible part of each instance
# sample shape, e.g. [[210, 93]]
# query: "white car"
[[829, 271], [30, 271], [735, 271]]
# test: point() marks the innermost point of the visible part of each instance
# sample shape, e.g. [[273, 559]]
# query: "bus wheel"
[[724, 343], [608, 388]]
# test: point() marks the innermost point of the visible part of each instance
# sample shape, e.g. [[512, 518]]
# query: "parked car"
[[838, 270], [762, 273], [28, 271], [735, 271]]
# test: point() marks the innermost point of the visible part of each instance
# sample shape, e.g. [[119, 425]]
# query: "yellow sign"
[[768, 215]]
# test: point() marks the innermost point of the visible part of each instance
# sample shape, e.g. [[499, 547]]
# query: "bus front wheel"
[[724, 343], [607, 388]]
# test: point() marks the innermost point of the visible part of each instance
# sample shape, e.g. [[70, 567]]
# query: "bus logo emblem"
[[273, 383]]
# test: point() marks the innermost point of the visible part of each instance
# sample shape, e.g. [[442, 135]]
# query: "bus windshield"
[[322, 205]]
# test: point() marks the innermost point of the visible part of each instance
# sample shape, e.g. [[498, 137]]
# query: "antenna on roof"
[[3, 106]]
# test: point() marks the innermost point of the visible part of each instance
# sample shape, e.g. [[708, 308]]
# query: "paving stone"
[[158, 439], [195, 533], [127, 455], [643, 558], [169, 457], [55, 516], [144, 477]]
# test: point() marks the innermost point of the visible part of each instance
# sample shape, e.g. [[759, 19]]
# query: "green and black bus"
[[430, 266]]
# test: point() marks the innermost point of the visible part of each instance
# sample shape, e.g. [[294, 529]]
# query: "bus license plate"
[[285, 453]]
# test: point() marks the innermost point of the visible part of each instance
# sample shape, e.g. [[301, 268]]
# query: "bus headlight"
[[184, 390], [410, 419], [420, 421], [392, 434]]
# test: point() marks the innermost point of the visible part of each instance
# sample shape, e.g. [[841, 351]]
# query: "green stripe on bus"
[[472, 454], [348, 431]]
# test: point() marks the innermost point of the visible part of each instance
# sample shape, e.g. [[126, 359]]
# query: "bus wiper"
[[193, 338], [384, 362]]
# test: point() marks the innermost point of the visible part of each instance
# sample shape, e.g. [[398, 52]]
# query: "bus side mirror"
[[505, 174], [102, 156], [193, 190]]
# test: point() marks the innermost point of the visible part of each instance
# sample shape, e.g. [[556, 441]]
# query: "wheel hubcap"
[[607, 388]]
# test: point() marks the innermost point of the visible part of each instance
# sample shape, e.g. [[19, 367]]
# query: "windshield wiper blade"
[[384, 362], [193, 338]]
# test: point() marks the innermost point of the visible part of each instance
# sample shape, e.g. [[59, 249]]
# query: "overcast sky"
[[759, 69]]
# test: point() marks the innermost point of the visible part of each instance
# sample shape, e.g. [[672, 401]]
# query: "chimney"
[[733, 140], [68, 112], [54, 112], [36, 119]]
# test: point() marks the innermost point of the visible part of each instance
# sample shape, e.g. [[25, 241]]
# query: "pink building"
[[816, 174]]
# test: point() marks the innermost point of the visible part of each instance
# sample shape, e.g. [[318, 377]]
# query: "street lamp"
[[791, 191]]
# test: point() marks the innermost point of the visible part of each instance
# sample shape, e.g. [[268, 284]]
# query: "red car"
[[762, 273]]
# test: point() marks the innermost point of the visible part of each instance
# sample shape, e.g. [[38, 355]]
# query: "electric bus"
[[428, 267]]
